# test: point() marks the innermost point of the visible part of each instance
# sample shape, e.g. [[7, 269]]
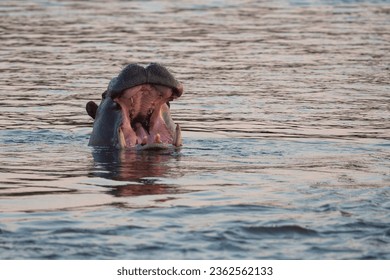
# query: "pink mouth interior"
[[146, 116]]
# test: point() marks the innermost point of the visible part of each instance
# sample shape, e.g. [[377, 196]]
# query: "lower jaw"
[[157, 145], [154, 146]]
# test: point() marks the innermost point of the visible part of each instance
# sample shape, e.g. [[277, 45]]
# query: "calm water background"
[[286, 127]]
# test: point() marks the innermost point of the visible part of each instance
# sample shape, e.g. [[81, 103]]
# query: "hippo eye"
[[116, 106]]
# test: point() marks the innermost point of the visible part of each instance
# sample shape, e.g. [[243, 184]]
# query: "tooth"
[[121, 139], [157, 138], [144, 140], [178, 141]]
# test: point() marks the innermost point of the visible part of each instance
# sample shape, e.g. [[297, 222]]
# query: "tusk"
[[157, 138], [144, 141], [178, 141], [121, 139]]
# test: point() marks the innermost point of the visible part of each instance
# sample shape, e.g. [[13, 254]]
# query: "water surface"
[[285, 121]]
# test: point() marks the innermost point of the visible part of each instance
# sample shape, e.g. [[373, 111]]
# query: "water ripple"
[[285, 122]]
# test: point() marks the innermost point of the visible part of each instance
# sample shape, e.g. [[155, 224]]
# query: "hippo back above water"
[[134, 111]]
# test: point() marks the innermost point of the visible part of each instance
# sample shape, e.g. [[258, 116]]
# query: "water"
[[285, 121]]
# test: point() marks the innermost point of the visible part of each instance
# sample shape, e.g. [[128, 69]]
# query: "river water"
[[285, 118]]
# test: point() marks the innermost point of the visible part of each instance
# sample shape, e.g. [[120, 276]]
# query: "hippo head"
[[134, 111]]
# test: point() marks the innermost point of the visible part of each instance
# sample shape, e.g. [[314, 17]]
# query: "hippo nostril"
[[178, 91]]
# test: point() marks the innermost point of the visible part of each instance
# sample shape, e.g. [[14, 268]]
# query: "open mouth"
[[146, 118], [134, 111]]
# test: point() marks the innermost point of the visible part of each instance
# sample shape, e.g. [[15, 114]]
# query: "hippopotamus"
[[134, 112]]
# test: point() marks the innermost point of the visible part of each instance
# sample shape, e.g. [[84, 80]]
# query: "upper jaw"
[[146, 119], [134, 74]]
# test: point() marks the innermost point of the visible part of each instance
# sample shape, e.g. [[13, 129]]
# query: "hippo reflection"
[[134, 111], [140, 173]]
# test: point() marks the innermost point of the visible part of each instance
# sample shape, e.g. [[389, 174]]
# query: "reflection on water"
[[139, 169], [285, 120]]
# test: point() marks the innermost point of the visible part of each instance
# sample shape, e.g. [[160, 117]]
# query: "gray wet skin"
[[134, 111]]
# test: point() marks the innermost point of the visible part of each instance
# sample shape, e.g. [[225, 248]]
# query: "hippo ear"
[[91, 108]]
